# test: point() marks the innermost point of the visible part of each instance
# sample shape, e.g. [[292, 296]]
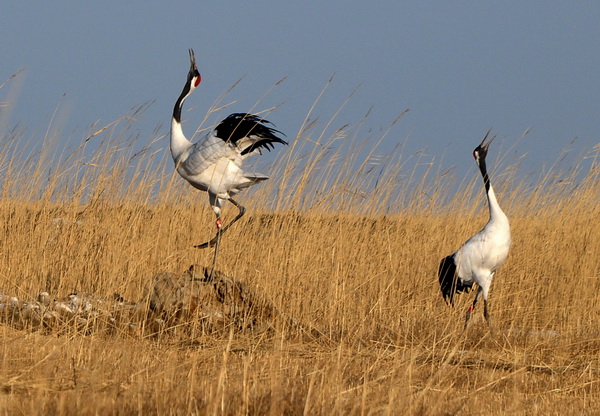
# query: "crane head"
[[480, 151], [194, 77]]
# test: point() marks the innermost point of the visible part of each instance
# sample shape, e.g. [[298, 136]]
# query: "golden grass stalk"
[[344, 239]]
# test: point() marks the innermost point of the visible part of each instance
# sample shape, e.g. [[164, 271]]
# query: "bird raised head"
[[480, 151], [193, 76]]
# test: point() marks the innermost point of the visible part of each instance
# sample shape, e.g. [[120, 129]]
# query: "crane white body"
[[481, 255], [212, 165]]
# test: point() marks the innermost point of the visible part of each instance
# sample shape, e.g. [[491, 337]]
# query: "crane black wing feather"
[[238, 126], [450, 283]]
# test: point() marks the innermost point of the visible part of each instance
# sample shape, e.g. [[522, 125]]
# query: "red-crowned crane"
[[214, 163], [480, 257]]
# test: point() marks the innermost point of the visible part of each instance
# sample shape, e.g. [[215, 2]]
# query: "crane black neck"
[[180, 100], [484, 174]]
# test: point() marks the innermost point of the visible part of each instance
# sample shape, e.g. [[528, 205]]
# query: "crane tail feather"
[[450, 283]]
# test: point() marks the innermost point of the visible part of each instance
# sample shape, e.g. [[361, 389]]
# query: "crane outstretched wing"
[[248, 132]]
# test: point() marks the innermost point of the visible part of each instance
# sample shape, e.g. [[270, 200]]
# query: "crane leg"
[[472, 307], [216, 238], [214, 263], [486, 314]]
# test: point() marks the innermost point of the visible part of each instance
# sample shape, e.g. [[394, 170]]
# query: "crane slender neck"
[[484, 174], [179, 143], [496, 212], [179, 103]]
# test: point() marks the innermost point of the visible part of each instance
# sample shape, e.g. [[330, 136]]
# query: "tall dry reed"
[[344, 238]]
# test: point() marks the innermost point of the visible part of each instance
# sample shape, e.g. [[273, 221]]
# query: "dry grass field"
[[346, 244]]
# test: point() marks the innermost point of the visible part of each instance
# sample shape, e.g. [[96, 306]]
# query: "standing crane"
[[214, 163], [480, 257]]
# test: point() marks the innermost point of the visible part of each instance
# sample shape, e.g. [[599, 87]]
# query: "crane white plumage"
[[482, 255], [214, 163]]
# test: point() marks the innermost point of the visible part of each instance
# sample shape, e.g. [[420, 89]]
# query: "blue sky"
[[461, 68]]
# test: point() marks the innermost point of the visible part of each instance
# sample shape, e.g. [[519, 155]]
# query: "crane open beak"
[[485, 145], [193, 66]]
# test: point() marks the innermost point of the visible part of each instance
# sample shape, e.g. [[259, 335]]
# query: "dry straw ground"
[[343, 244]]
